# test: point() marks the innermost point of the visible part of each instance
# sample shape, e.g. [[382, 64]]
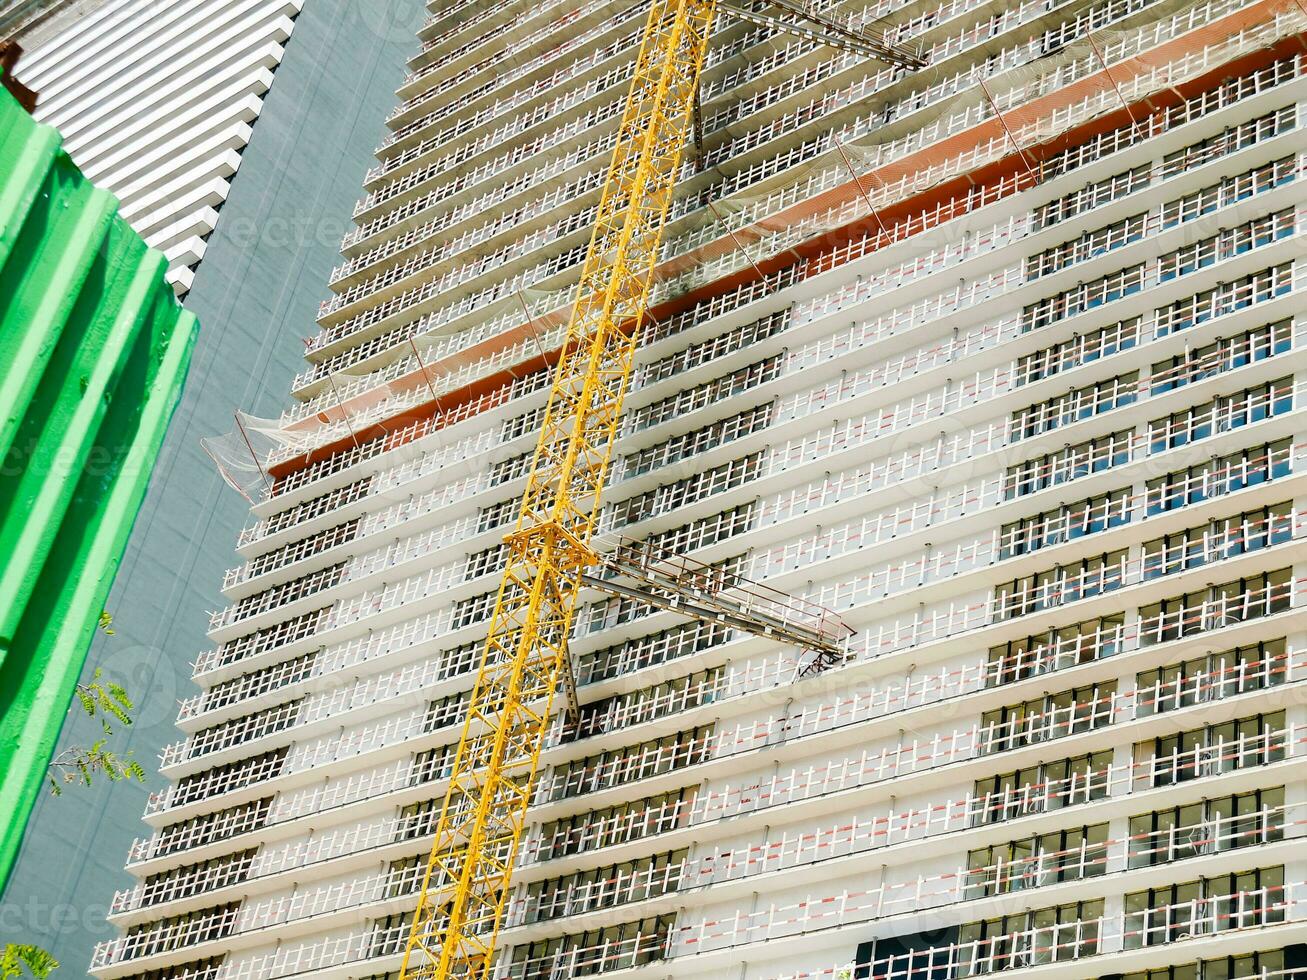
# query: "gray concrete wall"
[[256, 294]]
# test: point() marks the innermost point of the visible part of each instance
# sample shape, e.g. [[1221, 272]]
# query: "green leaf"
[[17, 956], [105, 701], [83, 765]]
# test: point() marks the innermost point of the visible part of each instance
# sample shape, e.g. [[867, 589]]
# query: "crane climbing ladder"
[[550, 552]]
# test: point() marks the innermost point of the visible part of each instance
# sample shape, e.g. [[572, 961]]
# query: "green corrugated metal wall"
[[93, 352]]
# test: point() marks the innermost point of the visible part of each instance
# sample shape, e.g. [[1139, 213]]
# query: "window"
[[1062, 855], [1040, 788], [1262, 128], [1066, 523], [485, 562], [1085, 296], [1211, 677], [1207, 827], [522, 424], [1060, 585], [700, 396], [709, 350], [1227, 354], [669, 496], [595, 951], [656, 701], [430, 764], [1203, 907], [194, 879], [645, 651], [1246, 468], [1067, 464], [1080, 349], [1226, 244], [603, 888], [1056, 649], [197, 970], [404, 876], [244, 729], [630, 763], [445, 711], [1087, 246], [508, 469], [1222, 414], [1222, 605], [232, 776], [497, 515], [1074, 406], [476, 609], [1047, 717], [616, 824], [705, 531], [1201, 752], [181, 931], [417, 819], [262, 681], [1218, 540], [1027, 939], [210, 827], [1245, 291], [1092, 196], [1265, 964], [1228, 191], [390, 934], [286, 593], [691, 444]]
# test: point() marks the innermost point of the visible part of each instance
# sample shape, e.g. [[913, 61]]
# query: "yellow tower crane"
[[550, 554]]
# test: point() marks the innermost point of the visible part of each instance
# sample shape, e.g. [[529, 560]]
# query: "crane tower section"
[[525, 657]]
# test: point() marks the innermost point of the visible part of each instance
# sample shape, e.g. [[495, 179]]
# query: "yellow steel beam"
[[481, 822]]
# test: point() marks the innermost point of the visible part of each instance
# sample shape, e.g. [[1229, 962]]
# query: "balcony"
[[841, 176]]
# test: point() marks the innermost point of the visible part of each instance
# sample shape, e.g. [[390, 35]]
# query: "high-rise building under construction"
[[996, 359]]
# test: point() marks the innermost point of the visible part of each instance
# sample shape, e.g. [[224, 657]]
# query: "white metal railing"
[[1211, 546], [1154, 326], [1023, 948], [1272, 78], [879, 81], [964, 883], [1177, 24], [858, 836], [1209, 482], [1159, 323], [950, 86], [874, 766], [1177, 558], [1209, 615], [1203, 760], [842, 437], [1216, 544]]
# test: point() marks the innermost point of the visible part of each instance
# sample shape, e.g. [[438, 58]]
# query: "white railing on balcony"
[[934, 567], [837, 174], [1020, 949], [1126, 47], [960, 884], [383, 402], [1026, 948]]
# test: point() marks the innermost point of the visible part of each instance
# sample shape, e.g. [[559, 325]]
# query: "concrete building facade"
[[260, 280], [157, 101], [1000, 360]]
